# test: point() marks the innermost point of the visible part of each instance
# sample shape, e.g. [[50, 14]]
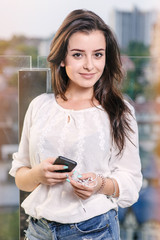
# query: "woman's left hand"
[[85, 191]]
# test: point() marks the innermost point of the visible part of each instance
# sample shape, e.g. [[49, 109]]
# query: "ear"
[[62, 64]]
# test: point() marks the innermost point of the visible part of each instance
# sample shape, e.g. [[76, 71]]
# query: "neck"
[[79, 94], [78, 100]]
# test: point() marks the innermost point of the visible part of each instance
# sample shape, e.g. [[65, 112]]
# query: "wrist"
[[107, 186], [101, 183], [25, 179], [34, 172], [112, 190]]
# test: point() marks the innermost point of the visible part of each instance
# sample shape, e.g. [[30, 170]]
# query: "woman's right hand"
[[46, 172], [27, 179]]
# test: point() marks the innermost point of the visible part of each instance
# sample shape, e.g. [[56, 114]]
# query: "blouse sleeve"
[[126, 168], [21, 158]]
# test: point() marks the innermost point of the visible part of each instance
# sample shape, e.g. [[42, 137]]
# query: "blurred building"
[[44, 46], [155, 51], [133, 25], [142, 220], [155, 43]]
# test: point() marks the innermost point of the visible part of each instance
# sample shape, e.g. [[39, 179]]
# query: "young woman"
[[87, 120]]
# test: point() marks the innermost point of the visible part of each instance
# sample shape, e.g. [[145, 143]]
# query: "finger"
[[52, 181], [54, 168], [83, 191], [57, 176], [76, 184], [78, 187], [51, 160], [82, 195], [88, 175]]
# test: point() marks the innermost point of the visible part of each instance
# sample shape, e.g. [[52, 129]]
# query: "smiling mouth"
[[87, 75]]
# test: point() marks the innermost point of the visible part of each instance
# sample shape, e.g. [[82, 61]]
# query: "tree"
[[135, 81], [3, 46], [21, 46], [29, 51], [137, 49]]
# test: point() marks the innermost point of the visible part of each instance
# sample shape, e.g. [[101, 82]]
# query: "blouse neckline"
[[76, 111]]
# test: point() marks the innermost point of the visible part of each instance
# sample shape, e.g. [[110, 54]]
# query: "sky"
[[41, 18]]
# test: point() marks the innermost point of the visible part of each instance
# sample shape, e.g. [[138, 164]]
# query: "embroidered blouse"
[[49, 130]]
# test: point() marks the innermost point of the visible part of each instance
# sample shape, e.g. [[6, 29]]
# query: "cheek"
[[72, 67], [101, 66], [70, 70]]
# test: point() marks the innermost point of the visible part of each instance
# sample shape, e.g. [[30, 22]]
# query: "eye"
[[98, 55], [77, 55]]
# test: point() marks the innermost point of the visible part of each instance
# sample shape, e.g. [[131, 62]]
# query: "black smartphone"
[[65, 161]]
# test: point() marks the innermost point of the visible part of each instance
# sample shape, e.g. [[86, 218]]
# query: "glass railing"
[[9, 200], [42, 62], [140, 87]]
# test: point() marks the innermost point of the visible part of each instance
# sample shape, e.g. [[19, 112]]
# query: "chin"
[[87, 86]]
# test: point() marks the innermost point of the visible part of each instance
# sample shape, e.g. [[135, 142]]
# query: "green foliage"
[[9, 224], [137, 49], [135, 80], [132, 87], [20, 45], [29, 51], [3, 46], [18, 39]]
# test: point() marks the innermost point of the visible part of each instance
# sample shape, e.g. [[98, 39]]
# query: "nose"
[[88, 64]]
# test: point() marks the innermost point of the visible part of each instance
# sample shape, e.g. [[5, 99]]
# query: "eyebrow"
[[80, 50]]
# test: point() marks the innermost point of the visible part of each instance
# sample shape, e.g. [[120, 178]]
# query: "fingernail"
[[68, 180], [65, 167], [79, 176]]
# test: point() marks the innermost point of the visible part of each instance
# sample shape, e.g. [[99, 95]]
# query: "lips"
[[87, 75]]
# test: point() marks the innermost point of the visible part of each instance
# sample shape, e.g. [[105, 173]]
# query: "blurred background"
[[26, 30]]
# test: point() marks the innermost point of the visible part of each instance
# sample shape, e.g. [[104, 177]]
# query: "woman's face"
[[85, 59]]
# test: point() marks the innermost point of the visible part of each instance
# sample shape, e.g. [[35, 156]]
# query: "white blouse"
[[86, 138]]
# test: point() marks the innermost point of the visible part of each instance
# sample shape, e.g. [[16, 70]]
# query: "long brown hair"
[[106, 90]]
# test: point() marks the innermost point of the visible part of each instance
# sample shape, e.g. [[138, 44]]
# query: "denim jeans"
[[102, 227]]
